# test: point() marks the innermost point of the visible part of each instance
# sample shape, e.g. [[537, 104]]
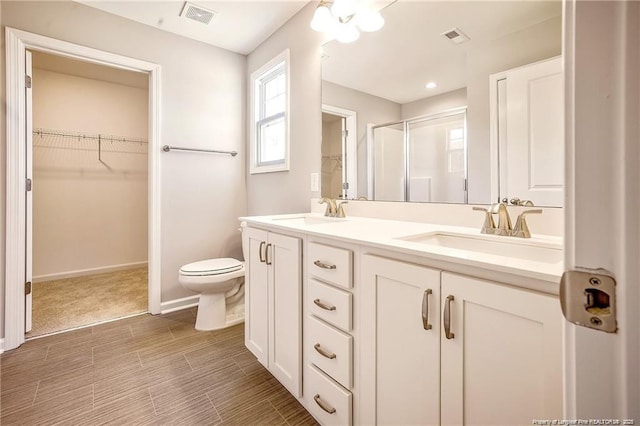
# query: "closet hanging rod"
[[168, 148], [83, 136]]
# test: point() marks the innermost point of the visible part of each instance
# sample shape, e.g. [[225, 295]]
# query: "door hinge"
[[345, 185], [27, 288], [28, 185], [345, 133], [27, 81], [465, 185]]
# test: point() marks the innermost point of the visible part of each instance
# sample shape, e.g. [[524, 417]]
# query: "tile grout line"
[[35, 394], [153, 404], [277, 411], [214, 406], [188, 363]]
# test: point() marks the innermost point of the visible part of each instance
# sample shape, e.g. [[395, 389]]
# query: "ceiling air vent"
[[455, 35], [197, 13]]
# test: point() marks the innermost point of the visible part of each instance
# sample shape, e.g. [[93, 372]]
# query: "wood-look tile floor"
[[143, 370]]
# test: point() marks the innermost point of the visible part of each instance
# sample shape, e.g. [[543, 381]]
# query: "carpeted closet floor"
[[74, 302]]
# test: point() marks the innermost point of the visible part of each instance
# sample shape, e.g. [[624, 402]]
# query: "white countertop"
[[388, 234]]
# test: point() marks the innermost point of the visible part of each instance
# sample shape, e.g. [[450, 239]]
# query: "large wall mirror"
[[387, 136]]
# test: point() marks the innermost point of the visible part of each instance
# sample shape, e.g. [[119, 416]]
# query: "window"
[[269, 133], [456, 150]]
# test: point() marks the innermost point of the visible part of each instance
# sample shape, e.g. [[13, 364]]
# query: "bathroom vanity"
[[371, 321]]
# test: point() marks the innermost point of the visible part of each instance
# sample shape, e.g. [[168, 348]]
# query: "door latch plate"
[[589, 299]]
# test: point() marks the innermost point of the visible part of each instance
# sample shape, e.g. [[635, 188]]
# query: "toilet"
[[220, 283]]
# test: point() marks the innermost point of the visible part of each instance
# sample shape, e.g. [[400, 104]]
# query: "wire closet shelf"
[[46, 138]]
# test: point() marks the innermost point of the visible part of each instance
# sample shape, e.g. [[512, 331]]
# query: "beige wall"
[[370, 110], [86, 214], [286, 192], [435, 104], [202, 106], [331, 176]]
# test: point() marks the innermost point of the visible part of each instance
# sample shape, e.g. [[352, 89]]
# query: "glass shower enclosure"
[[421, 160]]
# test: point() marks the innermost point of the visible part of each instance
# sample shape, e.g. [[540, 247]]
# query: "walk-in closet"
[[89, 156]]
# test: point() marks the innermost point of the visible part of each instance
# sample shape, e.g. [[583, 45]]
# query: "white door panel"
[[29, 196]]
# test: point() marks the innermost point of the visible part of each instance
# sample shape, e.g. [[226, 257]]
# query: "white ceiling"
[[239, 25], [396, 62]]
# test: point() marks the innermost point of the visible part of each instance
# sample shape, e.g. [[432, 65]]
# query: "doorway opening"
[[88, 209], [18, 269], [339, 176]]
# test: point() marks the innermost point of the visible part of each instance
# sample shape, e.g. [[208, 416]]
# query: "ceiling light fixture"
[[431, 85], [344, 19]]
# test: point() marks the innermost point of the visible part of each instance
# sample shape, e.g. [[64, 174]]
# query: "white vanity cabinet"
[[493, 354], [328, 333], [273, 303]]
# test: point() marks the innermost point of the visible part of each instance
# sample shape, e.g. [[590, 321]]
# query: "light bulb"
[[347, 33], [343, 8], [370, 20], [431, 85], [322, 19]]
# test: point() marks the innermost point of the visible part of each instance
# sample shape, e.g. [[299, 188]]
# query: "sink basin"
[[308, 220], [501, 246]]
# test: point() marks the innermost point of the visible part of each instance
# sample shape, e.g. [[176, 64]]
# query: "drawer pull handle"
[[425, 309], [447, 318], [262, 244], [323, 352], [324, 265], [323, 306], [326, 407]]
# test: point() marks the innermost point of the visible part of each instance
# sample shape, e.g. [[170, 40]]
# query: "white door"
[[285, 298], [28, 195], [534, 134], [256, 325], [502, 362], [400, 340]]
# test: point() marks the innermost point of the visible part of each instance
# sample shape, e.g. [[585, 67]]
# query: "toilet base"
[[213, 315]]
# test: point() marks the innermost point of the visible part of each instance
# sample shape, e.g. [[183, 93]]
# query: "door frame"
[[16, 44], [602, 200], [352, 146]]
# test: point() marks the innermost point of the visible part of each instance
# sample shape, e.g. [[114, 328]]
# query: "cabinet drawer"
[[331, 264], [331, 351], [330, 304], [326, 400]]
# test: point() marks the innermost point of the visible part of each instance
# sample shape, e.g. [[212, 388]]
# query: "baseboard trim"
[[178, 304], [91, 271]]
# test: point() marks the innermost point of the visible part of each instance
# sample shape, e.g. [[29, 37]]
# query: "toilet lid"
[[219, 266]]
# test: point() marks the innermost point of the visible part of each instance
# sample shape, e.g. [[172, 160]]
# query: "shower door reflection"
[[423, 159]]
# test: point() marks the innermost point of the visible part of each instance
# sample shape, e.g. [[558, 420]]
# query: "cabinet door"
[[503, 364], [400, 360], [285, 298], [256, 325], [535, 134]]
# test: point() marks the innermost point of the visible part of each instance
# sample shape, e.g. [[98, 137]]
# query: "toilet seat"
[[211, 267]]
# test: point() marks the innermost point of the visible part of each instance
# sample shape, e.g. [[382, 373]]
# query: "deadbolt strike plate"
[[589, 299]]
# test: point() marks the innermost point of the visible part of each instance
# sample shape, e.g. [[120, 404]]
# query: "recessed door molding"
[[17, 42]]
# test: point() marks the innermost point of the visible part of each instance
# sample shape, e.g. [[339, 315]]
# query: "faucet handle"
[[340, 209], [521, 229], [489, 225]]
